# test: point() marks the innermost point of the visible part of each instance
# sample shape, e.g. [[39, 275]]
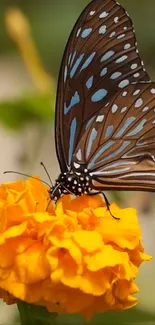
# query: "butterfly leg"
[[106, 201], [48, 203]]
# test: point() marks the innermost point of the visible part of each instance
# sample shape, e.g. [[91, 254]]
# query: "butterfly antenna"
[[47, 173], [27, 175]]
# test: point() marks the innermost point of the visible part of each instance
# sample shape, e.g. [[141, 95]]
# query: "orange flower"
[[73, 258]]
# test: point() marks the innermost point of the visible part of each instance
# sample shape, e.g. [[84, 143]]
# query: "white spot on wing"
[[120, 36], [104, 14], [92, 13], [127, 46], [124, 109], [136, 92], [124, 93], [152, 91], [116, 19], [100, 118], [76, 165], [112, 34], [139, 102], [114, 108], [78, 32], [136, 75], [121, 59], [102, 29], [145, 109], [134, 66], [79, 154]]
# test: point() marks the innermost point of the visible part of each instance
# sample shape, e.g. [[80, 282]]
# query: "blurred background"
[[32, 39]]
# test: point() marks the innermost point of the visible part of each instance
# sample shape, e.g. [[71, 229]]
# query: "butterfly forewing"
[[119, 149], [100, 59]]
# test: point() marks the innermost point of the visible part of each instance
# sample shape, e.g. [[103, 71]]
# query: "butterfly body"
[[72, 182]]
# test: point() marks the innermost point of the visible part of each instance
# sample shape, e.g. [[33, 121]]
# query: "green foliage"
[[17, 113], [31, 314], [131, 316]]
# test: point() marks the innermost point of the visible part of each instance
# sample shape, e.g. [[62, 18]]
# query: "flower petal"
[[73, 258]]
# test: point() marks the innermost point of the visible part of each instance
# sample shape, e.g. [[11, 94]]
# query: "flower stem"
[[19, 30], [34, 315]]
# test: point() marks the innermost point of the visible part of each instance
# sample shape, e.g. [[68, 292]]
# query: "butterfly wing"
[[100, 58], [118, 148]]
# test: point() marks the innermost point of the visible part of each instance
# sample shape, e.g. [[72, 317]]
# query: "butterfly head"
[[71, 183]]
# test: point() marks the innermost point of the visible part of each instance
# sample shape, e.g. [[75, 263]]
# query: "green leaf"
[[35, 108], [34, 315]]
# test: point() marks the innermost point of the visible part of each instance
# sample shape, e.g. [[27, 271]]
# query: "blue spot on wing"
[[115, 153], [71, 139], [103, 72], [109, 131], [89, 82], [137, 129], [107, 55], [86, 32], [75, 66], [71, 58], [90, 122], [109, 157], [92, 138], [127, 123], [88, 61], [114, 108], [99, 95], [116, 75], [117, 164], [74, 100], [99, 153]]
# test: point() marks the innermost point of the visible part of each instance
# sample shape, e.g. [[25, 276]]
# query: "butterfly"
[[105, 107]]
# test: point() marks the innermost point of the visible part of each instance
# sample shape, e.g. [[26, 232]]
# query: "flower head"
[[73, 258]]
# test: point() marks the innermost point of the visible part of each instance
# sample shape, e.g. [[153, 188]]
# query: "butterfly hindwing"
[[119, 149], [100, 58]]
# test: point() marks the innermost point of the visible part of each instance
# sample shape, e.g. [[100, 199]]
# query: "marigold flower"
[[73, 258]]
